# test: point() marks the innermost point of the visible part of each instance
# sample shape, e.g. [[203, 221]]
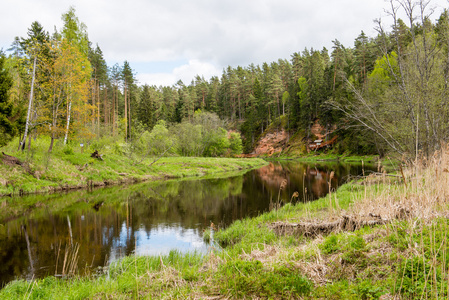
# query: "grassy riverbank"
[[68, 168], [324, 249]]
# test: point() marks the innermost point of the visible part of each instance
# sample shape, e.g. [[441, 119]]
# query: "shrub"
[[68, 150], [235, 141]]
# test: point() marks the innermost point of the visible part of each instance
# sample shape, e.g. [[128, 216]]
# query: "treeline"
[[387, 92], [252, 97]]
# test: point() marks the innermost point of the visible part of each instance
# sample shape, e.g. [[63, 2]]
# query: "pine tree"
[[7, 128], [128, 80], [146, 108]]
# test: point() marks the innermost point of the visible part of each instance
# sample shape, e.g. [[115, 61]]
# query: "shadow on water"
[[148, 219]]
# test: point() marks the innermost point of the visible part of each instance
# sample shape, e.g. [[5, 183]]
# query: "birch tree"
[[75, 42]]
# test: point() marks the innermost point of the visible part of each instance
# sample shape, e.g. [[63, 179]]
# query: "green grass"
[[240, 278], [126, 279], [67, 168]]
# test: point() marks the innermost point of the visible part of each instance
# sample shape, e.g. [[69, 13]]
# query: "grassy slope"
[[65, 169]]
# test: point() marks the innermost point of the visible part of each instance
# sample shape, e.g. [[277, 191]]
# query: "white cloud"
[[186, 73], [195, 67], [157, 79], [209, 34]]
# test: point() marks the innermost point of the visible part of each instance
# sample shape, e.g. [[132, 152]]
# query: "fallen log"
[[97, 155], [11, 160], [310, 229], [345, 223]]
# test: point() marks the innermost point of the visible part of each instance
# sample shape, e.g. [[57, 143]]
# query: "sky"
[[169, 40]]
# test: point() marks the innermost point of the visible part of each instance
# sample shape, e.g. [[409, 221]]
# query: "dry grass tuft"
[[264, 255], [423, 196]]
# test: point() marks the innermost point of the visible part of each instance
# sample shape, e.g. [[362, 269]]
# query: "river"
[[80, 232]]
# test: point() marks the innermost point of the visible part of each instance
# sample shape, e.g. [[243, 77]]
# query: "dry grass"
[[424, 193]]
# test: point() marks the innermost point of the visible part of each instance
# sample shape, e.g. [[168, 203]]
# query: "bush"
[[235, 141], [68, 150]]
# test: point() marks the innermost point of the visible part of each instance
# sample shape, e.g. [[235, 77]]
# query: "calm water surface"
[[148, 219]]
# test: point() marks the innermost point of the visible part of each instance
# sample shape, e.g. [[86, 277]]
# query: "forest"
[[387, 93]]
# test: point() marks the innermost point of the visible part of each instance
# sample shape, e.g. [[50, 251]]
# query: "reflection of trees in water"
[[187, 202], [311, 181], [47, 237], [104, 222], [111, 228]]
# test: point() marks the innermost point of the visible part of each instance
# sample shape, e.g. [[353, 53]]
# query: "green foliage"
[[157, 141], [207, 235], [244, 278], [360, 289], [242, 233], [357, 243], [235, 143], [188, 141], [398, 238], [300, 89], [385, 68], [68, 150], [217, 143], [7, 127], [417, 278], [330, 244], [75, 31], [367, 290]]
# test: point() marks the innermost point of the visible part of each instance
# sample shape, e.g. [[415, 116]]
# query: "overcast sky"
[[168, 40]]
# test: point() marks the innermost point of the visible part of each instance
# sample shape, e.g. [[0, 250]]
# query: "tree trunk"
[[129, 114], [94, 86], [126, 116], [50, 149], [335, 72], [30, 103], [106, 106], [98, 108], [68, 123], [29, 142], [113, 110]]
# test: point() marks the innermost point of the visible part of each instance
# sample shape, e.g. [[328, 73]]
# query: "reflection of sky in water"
[[159, 241], [148, 225]]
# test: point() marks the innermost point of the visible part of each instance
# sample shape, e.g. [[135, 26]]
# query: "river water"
[[85, 230]]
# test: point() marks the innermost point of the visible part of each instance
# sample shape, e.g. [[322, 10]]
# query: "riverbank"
[[381, 238], [343, 158], [39, 171]]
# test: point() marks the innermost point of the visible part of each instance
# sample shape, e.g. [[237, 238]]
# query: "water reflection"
[[149, 219]]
